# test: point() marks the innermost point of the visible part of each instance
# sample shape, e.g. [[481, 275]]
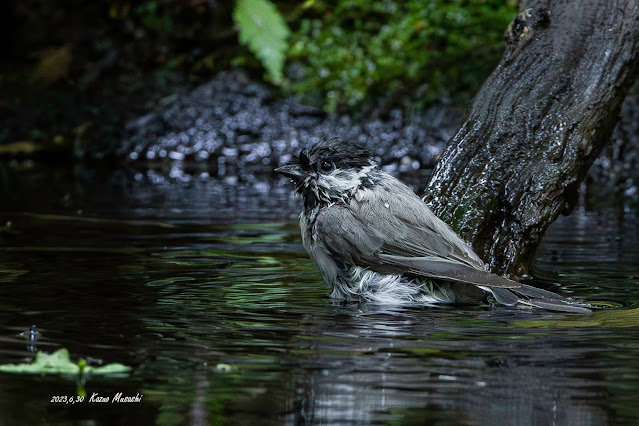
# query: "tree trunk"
[[536, 126]]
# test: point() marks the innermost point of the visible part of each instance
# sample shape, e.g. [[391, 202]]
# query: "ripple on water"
[[179, 279]]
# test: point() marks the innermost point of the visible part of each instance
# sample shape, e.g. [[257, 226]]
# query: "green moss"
[[403, 52], [458, 216]]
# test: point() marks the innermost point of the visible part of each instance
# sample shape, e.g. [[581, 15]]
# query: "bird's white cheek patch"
[[340, 183]]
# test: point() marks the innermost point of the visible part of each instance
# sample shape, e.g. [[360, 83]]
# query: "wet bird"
[[373, 239]]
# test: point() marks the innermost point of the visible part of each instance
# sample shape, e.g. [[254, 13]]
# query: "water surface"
[[203, 287]]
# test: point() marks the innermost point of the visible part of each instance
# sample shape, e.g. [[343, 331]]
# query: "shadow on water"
[[204, 288]]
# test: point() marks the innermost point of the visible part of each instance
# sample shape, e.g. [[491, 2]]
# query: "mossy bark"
[[536, 126]]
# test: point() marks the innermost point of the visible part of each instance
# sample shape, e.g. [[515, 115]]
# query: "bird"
[[374, 240]]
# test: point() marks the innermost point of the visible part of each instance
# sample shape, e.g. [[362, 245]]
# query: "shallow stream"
[[202, 286]]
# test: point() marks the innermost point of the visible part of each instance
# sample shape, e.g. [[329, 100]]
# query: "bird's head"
[[330, 171]]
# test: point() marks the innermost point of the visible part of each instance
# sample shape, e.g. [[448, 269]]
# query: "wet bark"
[[536, 126]]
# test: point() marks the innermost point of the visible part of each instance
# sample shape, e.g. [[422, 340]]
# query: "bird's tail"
[[532, 296], [505, 291]]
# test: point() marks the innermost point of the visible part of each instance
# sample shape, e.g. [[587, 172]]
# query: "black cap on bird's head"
[[325, 157], [328, 169]]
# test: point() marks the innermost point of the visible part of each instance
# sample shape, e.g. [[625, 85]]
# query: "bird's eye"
[[327, 166]]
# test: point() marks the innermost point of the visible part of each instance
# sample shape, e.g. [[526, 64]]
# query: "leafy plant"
[[406, 52], [264, 31]]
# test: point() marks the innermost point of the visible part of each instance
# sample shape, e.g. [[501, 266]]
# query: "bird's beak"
[[291, 171]]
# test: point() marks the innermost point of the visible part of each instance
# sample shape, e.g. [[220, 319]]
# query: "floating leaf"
[[264, 31], [111, 369], [55, 363], [60, 362]]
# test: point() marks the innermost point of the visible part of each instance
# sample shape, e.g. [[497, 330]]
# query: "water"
[[203, 287]]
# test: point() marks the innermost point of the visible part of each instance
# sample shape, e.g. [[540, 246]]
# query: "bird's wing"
[[410, 228], [505, 291], [354, 242]]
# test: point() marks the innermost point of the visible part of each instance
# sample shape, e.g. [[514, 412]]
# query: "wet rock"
[[239, 126], [618, 165]]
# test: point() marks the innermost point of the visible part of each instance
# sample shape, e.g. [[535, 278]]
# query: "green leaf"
[[111, 369], [55, 363], [59, 362], [264, 31]]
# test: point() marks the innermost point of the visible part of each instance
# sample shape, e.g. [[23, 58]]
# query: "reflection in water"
[[204, 288], [479, 369]]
